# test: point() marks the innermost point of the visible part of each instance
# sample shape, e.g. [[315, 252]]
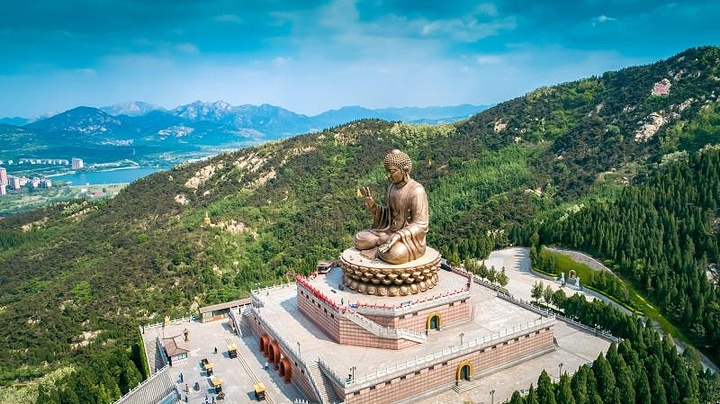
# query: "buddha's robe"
[[406, 215]]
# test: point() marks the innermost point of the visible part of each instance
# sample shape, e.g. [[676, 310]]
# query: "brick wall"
[[316, 310], [344, 331], [453, 313], [445, 373], [339, 328], [298, 377]]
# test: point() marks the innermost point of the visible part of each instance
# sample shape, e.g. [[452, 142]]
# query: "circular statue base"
[[376, 277]]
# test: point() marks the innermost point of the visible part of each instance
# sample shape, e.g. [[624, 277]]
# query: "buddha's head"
[[397, 166]]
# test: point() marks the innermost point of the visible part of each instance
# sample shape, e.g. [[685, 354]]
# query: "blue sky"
[[313, 55]]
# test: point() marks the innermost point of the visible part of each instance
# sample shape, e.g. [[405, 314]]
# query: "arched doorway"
[[270, 352], [274, 354], [434, 321], [264, 343], [285, 370], [464, 371]]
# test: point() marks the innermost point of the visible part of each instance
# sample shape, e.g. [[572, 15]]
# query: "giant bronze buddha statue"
[[391, 258], [398, 229]]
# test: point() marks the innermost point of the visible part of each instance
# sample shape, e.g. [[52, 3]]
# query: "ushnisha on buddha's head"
[[397, 167]]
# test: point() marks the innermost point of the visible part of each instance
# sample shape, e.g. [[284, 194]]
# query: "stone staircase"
[[155, 358], [385, 332], [324, 385], [464, 386], [245, 329], [158, 388]]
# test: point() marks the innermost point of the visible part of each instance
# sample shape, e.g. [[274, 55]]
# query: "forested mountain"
[[663, 235], [615, 165]]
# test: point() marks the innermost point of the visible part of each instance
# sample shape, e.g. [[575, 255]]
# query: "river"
[[123, 176]]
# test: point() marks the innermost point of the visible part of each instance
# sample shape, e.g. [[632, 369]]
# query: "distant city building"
[[77, 163], [3, 191], [15, 183], [3, 176], [41, 161], [48, 183]]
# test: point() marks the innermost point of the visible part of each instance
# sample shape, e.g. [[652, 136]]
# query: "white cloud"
[[472, 26], [604, 18], [281, 61], [187, 48], [228, 18], [488, 59], [86, 72]]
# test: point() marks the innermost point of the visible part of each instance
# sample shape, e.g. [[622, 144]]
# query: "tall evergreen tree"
[[532, 397], [516, 398], [605, 378], [643, 395], [545, 391], [578, 385], [657, 387], [564, 391]]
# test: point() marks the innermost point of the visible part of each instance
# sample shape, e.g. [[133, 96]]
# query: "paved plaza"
[[238, 377], [516, 261]]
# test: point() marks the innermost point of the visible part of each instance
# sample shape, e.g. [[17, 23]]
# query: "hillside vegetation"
[[580, 164]]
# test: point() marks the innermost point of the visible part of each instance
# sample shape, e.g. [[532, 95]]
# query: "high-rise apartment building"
[[77, 163], [3, 176]]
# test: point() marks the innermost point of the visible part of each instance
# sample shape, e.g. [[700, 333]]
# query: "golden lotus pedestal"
[[376, 277]]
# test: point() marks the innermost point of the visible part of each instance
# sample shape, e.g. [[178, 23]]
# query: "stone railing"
[[383, 332], [528, 305], [268, 289], [337, 379], [408, 367], [235, 314], [174, 321], [525, 304], [462, 272], [411, 306], [256, 294], [480, 281], [596, 331]]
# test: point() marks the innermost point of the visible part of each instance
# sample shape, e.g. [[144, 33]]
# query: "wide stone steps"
[[158, 388], [155, 359], [324, 384], [384, 332], [245, 330], [464, 386]]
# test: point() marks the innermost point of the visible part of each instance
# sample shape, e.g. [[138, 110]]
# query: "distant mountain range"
[[142, 131]]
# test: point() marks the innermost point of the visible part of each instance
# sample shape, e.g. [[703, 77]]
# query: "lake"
[[106, 177]]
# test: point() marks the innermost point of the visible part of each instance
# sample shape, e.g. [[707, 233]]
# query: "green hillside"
[[515, 169]]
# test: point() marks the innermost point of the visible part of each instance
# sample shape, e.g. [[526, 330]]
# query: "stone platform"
[[376, 277]]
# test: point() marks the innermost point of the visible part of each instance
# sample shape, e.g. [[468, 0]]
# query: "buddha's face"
[[395, 174]]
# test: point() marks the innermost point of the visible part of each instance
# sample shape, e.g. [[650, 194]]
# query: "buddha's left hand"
[[386, 247]]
